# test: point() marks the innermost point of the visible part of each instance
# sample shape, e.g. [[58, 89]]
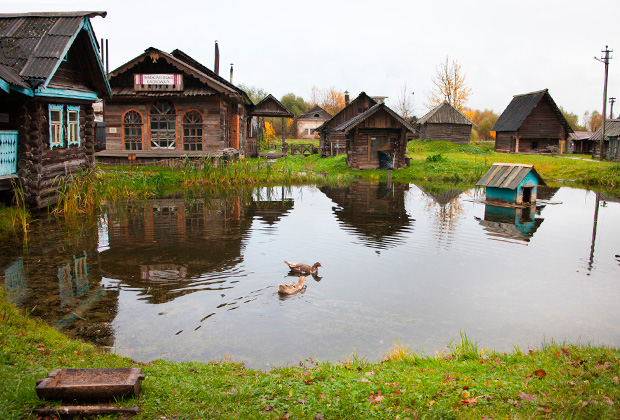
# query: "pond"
[[195, 278]]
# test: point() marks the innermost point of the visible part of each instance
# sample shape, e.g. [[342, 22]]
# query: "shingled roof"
[[315, 112], [521, 107], [507, 175], [353, 122], [33, 45], [612, 129], [445, 113]]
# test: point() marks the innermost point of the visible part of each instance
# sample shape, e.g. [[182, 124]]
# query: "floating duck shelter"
[[511, 183]]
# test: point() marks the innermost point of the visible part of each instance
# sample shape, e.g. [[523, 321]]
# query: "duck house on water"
[[511, 183]]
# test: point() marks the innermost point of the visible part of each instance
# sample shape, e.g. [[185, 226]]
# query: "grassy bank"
[[462, 382]]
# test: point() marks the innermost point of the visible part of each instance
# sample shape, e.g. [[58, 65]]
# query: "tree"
[[404, 104], [256, 94], [449, 85], [593, 121], [572, 119], [295, 104], [331, 100], [484, 121]]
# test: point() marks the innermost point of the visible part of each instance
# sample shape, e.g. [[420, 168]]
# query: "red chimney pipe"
[[216, 66]]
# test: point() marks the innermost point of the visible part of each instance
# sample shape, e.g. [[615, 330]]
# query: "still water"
[[196, 278]]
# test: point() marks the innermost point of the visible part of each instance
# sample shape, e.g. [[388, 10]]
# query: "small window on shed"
[[55, 118], [73, 125]]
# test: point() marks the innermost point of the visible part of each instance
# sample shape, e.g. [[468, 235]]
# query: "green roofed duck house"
[[511, 183]]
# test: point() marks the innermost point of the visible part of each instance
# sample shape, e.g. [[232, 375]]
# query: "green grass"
[[558, 380]]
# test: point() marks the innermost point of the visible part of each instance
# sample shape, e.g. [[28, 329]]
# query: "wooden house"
[[310, 120], [580, 142], [445, 122], [612, 140], [511, 183], [165, 106], [532, 123], [376, 138], [334, 142], [50, 76]]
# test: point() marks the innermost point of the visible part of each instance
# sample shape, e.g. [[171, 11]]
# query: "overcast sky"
[[505, 48]]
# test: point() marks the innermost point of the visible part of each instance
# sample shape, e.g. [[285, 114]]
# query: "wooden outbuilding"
[[376, 138], [511, 183], [445, 122], [334, 142], [310, 120], [612, 140], [50, 76], [165, 106], [580, 142], [269, 106], [532, 123]]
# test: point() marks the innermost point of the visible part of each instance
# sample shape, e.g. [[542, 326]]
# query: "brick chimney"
[[346, 98], [216, 66]]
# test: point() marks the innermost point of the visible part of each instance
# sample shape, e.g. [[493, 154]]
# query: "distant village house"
[[310, 120], [445, 122]]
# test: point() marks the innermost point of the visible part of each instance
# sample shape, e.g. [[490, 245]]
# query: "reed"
[[19, 214]]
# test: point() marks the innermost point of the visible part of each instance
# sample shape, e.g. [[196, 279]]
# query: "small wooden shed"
[[612, 140], [445, 122], [376, 138], [511, 183], [50, 76], [532, 123]]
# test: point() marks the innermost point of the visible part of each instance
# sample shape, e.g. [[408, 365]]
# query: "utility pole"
[[611, 111], [605, 60]]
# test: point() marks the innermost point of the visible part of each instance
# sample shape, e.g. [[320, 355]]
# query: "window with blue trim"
[[56, 132], [73, 124]]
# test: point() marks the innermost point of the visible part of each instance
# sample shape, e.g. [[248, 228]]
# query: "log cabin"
[[376, 138], [50, 76], [332, 142], [167, 106], [445, 122], [532, 123]]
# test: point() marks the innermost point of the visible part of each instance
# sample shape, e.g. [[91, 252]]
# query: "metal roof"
[[521, 107], [445, 113], [310, 114], [612, 129], [581, 135], [507, 175]]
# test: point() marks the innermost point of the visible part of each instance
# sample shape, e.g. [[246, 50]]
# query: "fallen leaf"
[[565, 352], [78, 352], [545, 409], [319, 416], [616, 380], [321, 395], [526, 397], [301, 401], [268, 408], [192, 370], [469, 401], [608, 400], [174, 391], [376, 397], [540, 373], [465, 388], [587, 403], [285, 416], [365, 380], [2, 315], [372, 372]]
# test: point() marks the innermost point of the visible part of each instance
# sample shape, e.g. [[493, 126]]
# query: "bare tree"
[[404, 104], [449, 85]]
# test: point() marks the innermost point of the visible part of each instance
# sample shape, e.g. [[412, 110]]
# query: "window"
[[73, 125], [55, 118], [192, 131], [132, 130], [163, 125]]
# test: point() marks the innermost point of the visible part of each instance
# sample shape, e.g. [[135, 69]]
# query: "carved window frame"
[[73, 125], [56, 115]]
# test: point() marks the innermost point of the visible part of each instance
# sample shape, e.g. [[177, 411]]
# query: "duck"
[[304, 268], [290, 288]]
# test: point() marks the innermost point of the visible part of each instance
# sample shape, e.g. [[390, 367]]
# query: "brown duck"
[[304, 268], [290, 288]]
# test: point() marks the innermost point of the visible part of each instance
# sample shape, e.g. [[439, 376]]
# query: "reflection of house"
[[612, 140], [332, 142], [50, 75], [510, 222], [532, 123], [375, 211], [166, 243], [580, 142], [166, 106], [511, 183], [268, 207], [308, 121], [445, 122]]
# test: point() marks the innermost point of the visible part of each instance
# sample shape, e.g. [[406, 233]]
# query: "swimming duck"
[[290, 288], [303, 268]]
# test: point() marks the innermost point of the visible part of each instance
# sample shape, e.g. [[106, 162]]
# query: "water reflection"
[[374, 211], [15, 283], [510, 223], [445, 208]]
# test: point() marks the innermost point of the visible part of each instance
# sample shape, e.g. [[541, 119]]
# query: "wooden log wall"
[[358, 148], [503, 142], [455, 133], [39, 168], [542, 123]]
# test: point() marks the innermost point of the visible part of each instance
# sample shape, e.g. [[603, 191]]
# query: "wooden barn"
[[376, 138], [334, 142], [511, 183], [580, 142], [165, 106], [445, 122], [612, 140], [310, 120], [50, 76], [532, 123]]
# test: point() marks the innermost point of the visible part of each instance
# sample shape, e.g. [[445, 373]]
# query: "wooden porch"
[[160, 157]]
